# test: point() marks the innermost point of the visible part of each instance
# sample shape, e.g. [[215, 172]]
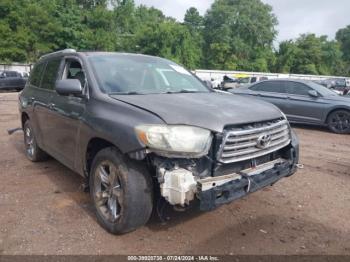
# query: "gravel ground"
[[43, 209]]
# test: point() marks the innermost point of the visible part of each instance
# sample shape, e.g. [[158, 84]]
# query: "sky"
[[323, 17]]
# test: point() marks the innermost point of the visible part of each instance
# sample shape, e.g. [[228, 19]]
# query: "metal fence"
[[217, 74]]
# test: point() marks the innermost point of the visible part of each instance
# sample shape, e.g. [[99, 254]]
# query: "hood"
[[211, 111], [343, 99]]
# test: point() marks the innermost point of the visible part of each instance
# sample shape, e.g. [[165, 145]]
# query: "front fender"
[[114, 122], [334, 108]]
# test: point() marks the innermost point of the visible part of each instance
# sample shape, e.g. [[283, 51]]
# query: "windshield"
[[137, 74], [322, 89], [244, 80]]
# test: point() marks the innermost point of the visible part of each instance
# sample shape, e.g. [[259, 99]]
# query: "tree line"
[[232, 35]]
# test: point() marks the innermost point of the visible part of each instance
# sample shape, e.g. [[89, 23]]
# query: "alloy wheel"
[[108, 191], [340, 121], [29, 141]]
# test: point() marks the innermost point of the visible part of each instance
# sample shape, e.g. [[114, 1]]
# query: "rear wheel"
[[121, 191], [33, 152], [339, 122]]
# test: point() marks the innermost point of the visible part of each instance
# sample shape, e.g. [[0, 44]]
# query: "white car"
[[216, 83], [251, 80]]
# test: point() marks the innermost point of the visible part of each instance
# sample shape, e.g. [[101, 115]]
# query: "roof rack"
[[65, 51]]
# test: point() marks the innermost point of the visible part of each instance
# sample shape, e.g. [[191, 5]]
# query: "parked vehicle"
[[229, 83], [339, 89], [11, 80], [251, 80], [216, 83], [304, 102], [338, 85], [135, 125], [24, 74]]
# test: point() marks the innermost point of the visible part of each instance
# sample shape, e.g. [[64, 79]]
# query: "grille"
[[252, 141]]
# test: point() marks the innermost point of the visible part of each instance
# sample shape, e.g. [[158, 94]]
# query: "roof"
[[289, 79], [93, 53], [65, 51]]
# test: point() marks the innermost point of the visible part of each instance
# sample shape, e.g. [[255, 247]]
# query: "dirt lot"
[[44, 211]]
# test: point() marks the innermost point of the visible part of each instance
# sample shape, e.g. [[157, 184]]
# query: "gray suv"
[[141, 128]]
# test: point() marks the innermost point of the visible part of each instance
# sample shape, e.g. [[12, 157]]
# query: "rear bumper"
[[213, 193]]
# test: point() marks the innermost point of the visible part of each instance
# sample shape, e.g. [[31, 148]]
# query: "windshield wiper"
[[127, 93], [183, 91]]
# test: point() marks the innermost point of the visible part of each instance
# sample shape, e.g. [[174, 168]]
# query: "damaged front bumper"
[[181, 181], [215, 191]]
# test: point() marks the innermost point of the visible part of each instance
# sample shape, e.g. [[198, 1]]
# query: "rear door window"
[[51, 73], [269, 86], [36, 74]]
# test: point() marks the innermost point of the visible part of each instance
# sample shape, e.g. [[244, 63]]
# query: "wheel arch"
[[24, 118], [95, 145], [333, 110]]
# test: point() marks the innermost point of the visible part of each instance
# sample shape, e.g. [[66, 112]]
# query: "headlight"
[[178, 140]]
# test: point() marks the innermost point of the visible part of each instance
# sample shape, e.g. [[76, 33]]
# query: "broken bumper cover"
[[242, 184]]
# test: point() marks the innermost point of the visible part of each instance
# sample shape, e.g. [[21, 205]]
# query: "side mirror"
[[313, 93], [68, 87]]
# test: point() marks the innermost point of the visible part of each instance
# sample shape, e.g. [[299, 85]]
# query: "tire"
[[121, 191], [33, 152], [339, 122]]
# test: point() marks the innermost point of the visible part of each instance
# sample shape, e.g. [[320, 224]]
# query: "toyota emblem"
[[263, 141]]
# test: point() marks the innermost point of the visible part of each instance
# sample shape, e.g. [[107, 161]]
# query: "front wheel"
[[339, 122], [121, 191]]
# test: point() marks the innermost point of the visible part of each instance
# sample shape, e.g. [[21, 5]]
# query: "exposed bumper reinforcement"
[[214, 192]]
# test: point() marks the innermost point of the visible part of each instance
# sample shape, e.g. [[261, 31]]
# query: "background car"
[[251, 80], [12, 80], [304, 102], [216, 83], [229, 83], [24, 74], [338, 85]]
